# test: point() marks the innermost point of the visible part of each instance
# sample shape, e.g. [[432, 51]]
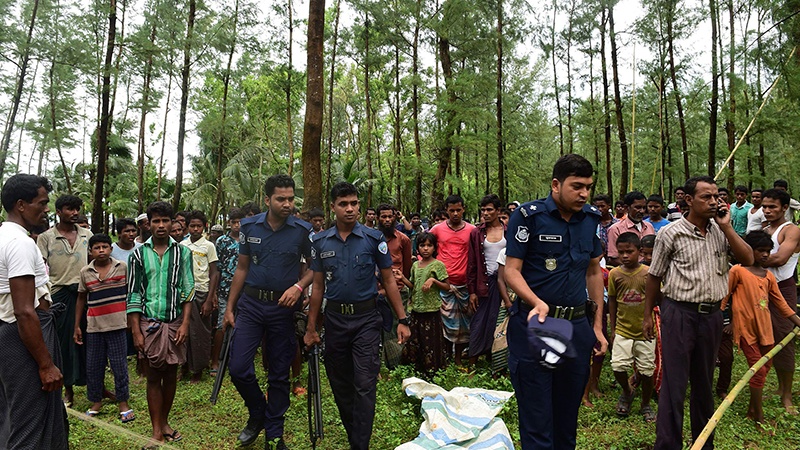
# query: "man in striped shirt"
[[160, 292], [691, 259]]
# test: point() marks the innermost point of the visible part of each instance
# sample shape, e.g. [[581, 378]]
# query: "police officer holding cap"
[[343, 259], [553, 259], [271, 280]]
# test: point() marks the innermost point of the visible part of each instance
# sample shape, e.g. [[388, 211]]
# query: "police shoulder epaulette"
[[531, 208], [373, 233], [590, 209], [250, 220]]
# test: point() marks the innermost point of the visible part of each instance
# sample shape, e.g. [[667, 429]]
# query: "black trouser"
[[352, 361], [689, 345]]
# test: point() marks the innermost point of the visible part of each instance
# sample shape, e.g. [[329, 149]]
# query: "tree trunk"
[[54, 124], [676, 92], [367, 98], [606, 112], [187, 53], [148, 72], [623, 143], [226, 81], [501, 188], [102, 132], [315, 92], [593, 115], [713, 113], [730, 124], [437, 186], [330, 95], [415, 107], [568, 54], [163, 133], [398, 183], [555, 80], [17, 98], [289, 135], [113, 101], [22, 129]]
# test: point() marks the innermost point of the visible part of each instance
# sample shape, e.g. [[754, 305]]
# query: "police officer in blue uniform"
[[343, 259], [271, 279], [553, 258]]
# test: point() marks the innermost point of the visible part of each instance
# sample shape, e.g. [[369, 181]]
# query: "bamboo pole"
[[712, 423], [741, 139]]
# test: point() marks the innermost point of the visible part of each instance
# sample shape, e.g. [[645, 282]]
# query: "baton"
[[223, 364]]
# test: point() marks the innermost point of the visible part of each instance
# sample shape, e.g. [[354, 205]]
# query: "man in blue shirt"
[[267, 284], [553, 259], [655, 212], [344, 260]]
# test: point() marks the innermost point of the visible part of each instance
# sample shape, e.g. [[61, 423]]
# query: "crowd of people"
[[541, 290]]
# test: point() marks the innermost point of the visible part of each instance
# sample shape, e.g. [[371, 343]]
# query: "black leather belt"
[[559, 312], [349, 309], [264, 296], [701, 308]]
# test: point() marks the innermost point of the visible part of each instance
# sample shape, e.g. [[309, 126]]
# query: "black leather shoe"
[[251, 431]]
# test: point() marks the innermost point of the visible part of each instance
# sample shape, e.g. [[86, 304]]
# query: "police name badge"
[[550, 264], [522, 234]]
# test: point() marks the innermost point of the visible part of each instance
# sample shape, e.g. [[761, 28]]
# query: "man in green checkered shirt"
[[160, 293]]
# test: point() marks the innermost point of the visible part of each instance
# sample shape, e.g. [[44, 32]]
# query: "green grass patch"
[[397, 416]]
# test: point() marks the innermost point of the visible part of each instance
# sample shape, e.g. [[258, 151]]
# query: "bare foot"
[[596, 392], [196, 378], [587, 403], [790, 409]]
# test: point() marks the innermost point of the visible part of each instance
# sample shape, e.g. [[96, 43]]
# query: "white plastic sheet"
[[463, 418]]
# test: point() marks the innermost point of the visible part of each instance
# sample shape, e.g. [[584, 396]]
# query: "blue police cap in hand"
[[550, 341]]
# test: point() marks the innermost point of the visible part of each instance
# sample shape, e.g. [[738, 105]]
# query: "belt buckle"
[[560, 312], [347, 308], [705, 308], [571, 313]]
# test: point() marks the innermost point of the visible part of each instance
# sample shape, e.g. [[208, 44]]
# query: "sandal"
[[92, 413], [212, 373], [624, 405], [174, 437], [127, 416], [648, 414]]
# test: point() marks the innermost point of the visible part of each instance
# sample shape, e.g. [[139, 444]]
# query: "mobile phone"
[[722, 212]]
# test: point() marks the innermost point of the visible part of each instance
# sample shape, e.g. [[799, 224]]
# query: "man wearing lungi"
[[160, 293], [31, 413]]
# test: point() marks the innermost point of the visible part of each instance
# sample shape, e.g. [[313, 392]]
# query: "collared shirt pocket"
[[364, 266]]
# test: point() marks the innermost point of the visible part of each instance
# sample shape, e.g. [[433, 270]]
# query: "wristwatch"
[[404, 321]]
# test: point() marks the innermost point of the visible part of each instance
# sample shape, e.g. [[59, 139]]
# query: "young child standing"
[[103, 286], [751, 290], [206, 283], [428, 277], [626, 288]]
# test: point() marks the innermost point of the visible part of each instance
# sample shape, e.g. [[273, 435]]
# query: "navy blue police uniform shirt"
[[274, 254], [349, 266], [555, 253]]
